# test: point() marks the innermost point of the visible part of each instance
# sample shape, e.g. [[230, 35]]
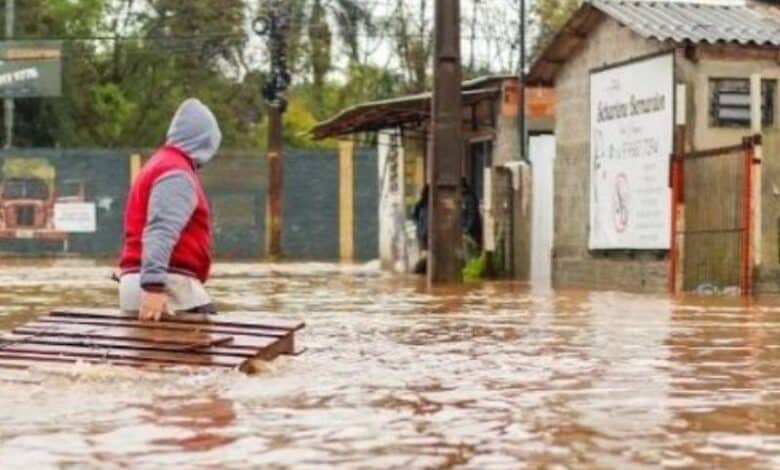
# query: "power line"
[[190, 37], [246, 35]]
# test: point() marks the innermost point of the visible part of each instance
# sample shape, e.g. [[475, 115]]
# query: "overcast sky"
[[491, 26], [489, 32]]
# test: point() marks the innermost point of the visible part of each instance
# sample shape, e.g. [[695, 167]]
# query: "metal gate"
[[712, 218]]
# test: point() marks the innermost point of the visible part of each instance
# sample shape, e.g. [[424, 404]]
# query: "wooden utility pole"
[[445, 264], [274, 25], [275, 181]]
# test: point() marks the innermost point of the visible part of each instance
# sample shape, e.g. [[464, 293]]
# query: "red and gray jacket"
[[167, 219]]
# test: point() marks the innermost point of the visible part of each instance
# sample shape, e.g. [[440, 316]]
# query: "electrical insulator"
[[274, 27]]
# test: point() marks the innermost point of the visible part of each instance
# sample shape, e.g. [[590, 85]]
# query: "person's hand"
[[153, 306]]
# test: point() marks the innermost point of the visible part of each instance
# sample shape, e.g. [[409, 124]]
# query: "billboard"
[[631, 140], [30, 69]]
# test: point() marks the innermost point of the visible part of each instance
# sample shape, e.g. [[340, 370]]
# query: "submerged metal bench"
[[235, 341]]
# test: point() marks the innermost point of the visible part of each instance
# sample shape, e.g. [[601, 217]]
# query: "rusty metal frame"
[[677, 176]]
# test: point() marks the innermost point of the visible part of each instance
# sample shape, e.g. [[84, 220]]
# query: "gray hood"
[[194, 130]]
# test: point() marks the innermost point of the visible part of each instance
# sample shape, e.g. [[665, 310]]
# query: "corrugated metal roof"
[[695, 22], [386, 114], [750, 24]]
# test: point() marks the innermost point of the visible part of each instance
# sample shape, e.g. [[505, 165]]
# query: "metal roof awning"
[[386, 114], [696, 22], [742, 24]]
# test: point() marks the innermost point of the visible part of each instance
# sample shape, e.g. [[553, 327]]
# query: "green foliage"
[[364, 83], [123, 92], [127, 64], [550, 16], [475, 268], [112, 109]]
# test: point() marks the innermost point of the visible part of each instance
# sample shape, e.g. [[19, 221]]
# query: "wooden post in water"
[[445, 263], [275, 184]]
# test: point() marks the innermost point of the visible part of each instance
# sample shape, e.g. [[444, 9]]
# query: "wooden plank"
[[123, 343], [237, 320], [167, 326], [140, 333], [107, 354], [285, 346], [31, 335], [109, 337]]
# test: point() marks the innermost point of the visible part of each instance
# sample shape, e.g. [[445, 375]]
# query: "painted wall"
[[236, 184], [573, 265], [542, 156], [96, 177]]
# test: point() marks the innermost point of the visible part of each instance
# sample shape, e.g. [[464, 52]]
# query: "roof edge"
[[535, 75]]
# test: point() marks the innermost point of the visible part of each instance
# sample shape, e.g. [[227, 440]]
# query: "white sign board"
[[75, 217], [631, 140]]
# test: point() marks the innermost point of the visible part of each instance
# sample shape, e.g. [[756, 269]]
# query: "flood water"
[[492, 376]]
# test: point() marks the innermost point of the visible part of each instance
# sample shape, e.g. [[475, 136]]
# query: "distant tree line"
[[128, 63]]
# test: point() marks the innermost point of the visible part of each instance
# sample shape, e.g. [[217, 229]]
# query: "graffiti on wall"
[[399, 250], [35, 205]]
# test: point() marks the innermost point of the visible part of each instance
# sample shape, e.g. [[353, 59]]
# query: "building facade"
[[720, 52], [492, 167]]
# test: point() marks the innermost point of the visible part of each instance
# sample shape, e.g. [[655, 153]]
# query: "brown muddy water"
[[493, 376]]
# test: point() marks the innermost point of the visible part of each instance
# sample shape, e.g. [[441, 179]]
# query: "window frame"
[[769, 88]]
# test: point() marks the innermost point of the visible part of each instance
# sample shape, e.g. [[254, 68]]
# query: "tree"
[[550, 17], [352, 19], [129, 63], [320, 40], [40, 122], [314, 26], [413, 38]]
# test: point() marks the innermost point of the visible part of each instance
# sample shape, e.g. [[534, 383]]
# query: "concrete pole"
[[756, 126], [10, 15], [445, 261], [347, 200]]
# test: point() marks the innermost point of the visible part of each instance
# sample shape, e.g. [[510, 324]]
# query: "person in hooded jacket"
[[166, 257]]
